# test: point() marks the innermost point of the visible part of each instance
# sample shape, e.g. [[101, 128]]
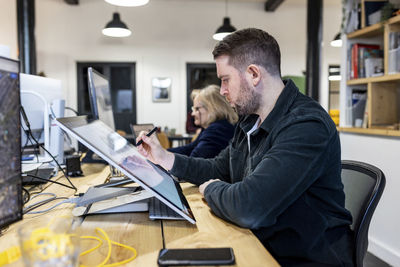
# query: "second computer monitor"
[[10, 147], [100, 97]]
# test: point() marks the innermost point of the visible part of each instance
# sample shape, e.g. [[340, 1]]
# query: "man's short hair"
[[251, 46]]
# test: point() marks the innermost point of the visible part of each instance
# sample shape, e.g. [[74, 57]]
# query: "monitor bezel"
[[18, 183]]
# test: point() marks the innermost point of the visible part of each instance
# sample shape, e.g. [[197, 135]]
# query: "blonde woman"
[[216, 118]]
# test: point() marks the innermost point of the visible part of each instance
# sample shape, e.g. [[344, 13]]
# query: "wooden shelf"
[[368, 131], [370, 31], [383, 78], [382, 104], [394, 20], [373, 30]]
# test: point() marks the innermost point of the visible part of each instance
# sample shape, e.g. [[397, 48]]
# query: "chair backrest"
[[164, 141], [363, 187], [137, 128]]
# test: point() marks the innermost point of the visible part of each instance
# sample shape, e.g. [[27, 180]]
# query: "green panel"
[[299, 81]]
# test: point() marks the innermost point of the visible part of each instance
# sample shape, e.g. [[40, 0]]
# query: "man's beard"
[[249, 100]]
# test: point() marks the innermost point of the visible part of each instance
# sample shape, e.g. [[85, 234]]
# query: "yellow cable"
[[94, 248], [99, 230], [109, 242], [124, 261]]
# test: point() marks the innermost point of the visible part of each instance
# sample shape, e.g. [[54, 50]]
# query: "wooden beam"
[[72, 2], [272, 5]]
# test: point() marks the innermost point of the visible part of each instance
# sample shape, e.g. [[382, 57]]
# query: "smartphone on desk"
[[196, 256]]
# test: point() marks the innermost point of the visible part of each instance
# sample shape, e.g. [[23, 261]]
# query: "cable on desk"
[[25, 197], [162, 234], [109, 242], [48, 180], [28, 209]]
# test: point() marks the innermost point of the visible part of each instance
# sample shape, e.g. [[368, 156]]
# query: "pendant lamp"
[[116, 28], [226, 27], [337, 41], [127, 2]]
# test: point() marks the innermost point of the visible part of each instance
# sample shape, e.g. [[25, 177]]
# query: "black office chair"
[[363, 187]]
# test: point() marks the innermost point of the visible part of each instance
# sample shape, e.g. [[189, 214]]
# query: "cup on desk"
[[50, 245], [172, 131]]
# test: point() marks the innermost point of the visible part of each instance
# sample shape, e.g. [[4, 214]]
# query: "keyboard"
[[158, 210]]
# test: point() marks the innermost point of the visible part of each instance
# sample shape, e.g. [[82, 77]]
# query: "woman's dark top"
[[209, 142]]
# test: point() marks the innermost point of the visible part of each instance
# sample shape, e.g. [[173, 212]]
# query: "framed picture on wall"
[[161, 88]]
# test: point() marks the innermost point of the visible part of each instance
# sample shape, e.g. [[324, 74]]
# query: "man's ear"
[[254, 73]]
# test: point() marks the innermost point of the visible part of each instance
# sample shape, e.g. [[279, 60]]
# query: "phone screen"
[[197, 256]]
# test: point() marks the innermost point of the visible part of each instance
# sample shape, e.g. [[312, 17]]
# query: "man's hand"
[[203, 186], [153, 151]]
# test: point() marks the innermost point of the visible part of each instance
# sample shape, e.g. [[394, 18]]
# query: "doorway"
[[121, 76], [198, 76]]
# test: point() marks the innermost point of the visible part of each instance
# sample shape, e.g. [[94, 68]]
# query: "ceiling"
[[286, 2]]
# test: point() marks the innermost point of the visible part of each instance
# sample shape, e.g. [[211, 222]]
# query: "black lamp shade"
[[224, 30], [116, 22], [226, 26], [116, 28]]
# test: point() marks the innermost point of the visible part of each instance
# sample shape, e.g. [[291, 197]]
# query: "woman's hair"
[[194, 93], [216, 105]]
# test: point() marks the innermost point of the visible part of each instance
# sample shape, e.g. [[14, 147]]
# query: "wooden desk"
[[136, 230]]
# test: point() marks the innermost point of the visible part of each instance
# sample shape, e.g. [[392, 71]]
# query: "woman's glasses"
[[195, 109]]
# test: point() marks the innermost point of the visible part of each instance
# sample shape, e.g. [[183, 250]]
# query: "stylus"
[[148, 135]]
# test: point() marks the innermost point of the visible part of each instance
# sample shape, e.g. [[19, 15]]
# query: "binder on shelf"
[[358, 100], [394, 52]]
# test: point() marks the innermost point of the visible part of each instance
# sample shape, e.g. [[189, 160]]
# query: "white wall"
[[383, 152], [166, 35], [8, 26]]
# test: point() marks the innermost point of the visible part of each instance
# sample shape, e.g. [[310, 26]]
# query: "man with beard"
[[280, 175]]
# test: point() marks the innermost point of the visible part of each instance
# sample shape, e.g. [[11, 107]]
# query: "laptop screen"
[[113, 148]]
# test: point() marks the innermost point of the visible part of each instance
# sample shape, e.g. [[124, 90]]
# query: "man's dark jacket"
[[288, 188]]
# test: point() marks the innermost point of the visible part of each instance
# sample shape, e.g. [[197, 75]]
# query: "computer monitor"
[[100, 97], [113, 148], [10, 144], [42, 99]]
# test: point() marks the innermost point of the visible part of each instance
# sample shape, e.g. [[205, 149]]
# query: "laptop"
[[115, 149]]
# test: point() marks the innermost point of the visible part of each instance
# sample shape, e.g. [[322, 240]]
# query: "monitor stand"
[[112, 200]]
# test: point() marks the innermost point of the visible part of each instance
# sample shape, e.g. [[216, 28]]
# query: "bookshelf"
[[382, 108]]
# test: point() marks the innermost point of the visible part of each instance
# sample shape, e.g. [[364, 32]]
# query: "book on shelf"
[[358, 54], [358, 103], [373, 67], [353, 10], [394, 52]]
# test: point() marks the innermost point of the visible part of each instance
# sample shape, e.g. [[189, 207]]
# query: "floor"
[[371, 261]]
